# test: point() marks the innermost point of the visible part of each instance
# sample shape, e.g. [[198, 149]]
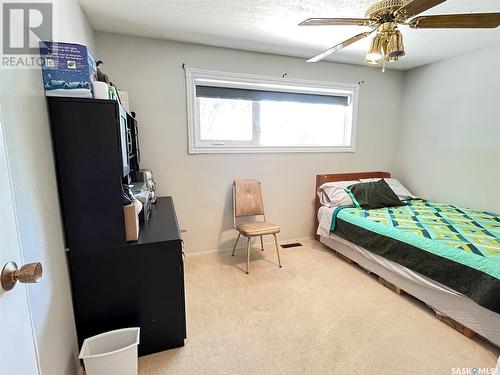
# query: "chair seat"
[[257, 228]]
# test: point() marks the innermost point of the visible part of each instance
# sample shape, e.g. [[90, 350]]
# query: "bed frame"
[[456, 323], [324, 178]]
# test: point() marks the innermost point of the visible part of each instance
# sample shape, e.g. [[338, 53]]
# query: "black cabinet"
[[115, 284], [140, 284], [88, 153]]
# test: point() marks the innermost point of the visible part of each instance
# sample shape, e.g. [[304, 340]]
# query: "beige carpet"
[[316, 315]]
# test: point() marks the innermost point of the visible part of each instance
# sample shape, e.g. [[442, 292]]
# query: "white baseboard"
[[302, 239]]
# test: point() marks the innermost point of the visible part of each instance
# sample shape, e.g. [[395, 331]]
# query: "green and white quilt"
[[455, 246]]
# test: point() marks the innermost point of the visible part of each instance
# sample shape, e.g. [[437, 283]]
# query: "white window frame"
[[237, 80]]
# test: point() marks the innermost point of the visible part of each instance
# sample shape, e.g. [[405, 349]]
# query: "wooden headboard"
[[324, 178]]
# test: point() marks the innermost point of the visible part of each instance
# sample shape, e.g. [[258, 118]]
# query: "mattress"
[[439, 297]]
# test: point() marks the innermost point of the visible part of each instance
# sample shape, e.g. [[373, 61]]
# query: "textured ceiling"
[[271, 26]]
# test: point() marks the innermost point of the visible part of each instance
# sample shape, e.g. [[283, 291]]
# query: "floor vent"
[[287, 245]]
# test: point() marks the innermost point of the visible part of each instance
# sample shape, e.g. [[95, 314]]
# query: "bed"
[[461, 286]]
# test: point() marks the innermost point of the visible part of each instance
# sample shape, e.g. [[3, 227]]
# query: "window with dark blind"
[[242, 113]]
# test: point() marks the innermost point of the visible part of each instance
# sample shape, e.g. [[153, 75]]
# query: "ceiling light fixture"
[[395, 47], [375, 53], [387, 45]]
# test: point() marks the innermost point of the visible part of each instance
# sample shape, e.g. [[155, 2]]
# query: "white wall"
[[201, 184], [26, 125], [450, 140]]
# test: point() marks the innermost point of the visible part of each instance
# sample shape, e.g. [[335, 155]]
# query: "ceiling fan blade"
[[336, 21], [339, 46], [416, 7], [457, 21]]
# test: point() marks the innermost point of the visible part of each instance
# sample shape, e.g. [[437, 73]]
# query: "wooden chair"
[[247, 201]]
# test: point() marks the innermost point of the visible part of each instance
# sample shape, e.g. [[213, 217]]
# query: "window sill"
[[267, 150]]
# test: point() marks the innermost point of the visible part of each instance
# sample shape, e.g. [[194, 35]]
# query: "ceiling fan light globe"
[[375, 53], [395, 46]]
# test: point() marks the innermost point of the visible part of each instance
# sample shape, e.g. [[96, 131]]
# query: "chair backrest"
[[247, 198]]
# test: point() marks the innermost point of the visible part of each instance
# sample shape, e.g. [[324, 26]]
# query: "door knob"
[[29, 273]]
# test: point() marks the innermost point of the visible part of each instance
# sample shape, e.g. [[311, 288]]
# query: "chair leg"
[[248, 253], [261, 243], [277, 251], [236, 243]]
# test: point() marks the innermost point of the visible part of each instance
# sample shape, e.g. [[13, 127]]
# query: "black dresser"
[[139, 284], [115, 284]]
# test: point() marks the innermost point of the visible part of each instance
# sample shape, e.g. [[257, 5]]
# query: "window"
[[231, 113]]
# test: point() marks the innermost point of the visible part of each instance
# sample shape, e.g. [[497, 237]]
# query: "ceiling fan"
[[384, 16]]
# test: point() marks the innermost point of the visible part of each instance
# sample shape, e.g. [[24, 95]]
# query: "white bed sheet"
[[325, 220], [439, 297]]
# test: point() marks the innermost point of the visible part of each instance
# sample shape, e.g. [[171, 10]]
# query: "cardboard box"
[[131, 217], [68, 69]]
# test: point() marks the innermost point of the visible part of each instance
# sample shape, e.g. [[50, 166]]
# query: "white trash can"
[[113, 352]]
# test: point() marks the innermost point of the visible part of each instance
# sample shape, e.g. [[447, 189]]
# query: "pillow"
[[396, 186], [370, 195], [332, 194]]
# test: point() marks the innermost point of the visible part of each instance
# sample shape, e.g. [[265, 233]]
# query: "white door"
[[17, 344]]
